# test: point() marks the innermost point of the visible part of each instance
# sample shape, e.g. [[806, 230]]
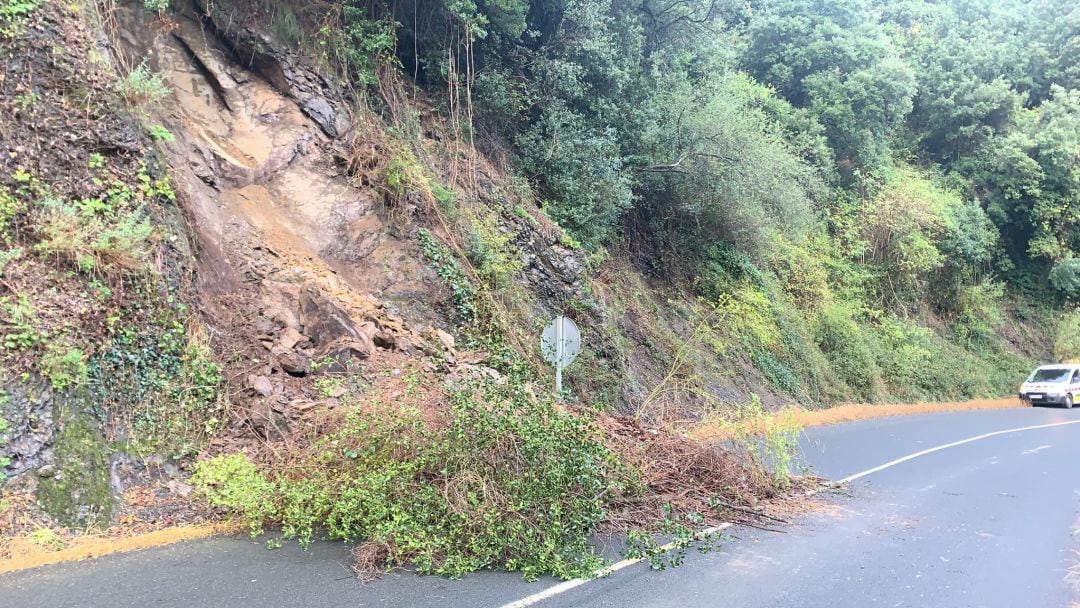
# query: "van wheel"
[[1068, 402]]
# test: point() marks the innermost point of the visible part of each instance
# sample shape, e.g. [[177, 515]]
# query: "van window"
[[1050, 374]]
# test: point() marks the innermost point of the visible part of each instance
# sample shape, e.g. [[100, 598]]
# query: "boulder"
[[295, 364], [323, 321], [261, 385]]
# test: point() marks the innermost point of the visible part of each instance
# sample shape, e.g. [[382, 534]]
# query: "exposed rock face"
[[323, 321], [319, 99], [29, 411]]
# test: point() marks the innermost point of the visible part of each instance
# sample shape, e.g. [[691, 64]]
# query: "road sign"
[[559, 344]]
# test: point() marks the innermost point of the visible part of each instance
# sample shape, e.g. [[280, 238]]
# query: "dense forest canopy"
[[900, 157], [706, 127]]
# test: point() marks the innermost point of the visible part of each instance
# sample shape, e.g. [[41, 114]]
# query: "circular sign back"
[[560, 342]]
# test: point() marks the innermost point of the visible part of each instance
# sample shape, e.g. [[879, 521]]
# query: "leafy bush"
[[64, 365], [142, 86], [509, 482], [491, 250], [746, 315], [583, 172], [92, 241], [4, 460], [160, 133], [1065, 277], [20, 324], [13, 13], [850, 353], [979, 312], [1067, 337], [161, 380], [233, 482]]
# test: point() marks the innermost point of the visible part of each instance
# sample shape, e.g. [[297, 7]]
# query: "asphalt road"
[[984, 524]]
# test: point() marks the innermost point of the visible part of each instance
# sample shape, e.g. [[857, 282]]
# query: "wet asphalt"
[[985, 524]]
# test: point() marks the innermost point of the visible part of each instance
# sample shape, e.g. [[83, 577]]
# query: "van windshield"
[[1053, 374]]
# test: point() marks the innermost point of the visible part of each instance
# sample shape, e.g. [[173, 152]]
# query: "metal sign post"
[[560, 344]]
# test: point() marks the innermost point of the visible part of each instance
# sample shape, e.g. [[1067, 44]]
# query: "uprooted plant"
[[503, 479]]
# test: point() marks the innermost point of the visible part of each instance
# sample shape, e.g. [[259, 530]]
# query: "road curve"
[[984, 524]]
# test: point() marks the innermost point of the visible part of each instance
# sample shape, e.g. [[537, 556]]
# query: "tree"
[[832, 57]]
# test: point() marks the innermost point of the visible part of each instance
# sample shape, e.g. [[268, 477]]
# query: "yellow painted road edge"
[[98, 546]]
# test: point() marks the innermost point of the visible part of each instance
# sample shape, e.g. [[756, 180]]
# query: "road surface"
[[986, 523]]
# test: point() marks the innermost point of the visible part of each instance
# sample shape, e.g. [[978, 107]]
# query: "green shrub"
[[13, 13], [20, 324], [745, 315], [584, 175], [8, 256], [142, 86], [979, 312], [1065, 277], [232, 482], [510, 482], [4, 460], [850, 353], [160, 133], [161, 380], [442, 260], [1067, 337], [64, 365], [492, 252], [95, 241]]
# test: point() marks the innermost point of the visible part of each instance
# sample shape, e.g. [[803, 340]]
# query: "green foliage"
[[850, 353], [641, 544], [917, 233], [64, 365], [8, 257], [358, 43], [4, 460], [142, 86], [492, 252], [110, 233], [11, 208], [510, 482], [13, 13], [1065, 277], [706, 181], [160, 133], [746, 313], [157, 6], [233, 482], [162, 381], [47, 539], [20, 324], [464, 295], [833, 57], [979, 312], [1067, 337], [583, 172], [93, 241]]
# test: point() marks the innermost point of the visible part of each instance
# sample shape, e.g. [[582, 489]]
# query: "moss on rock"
[[78, 492]]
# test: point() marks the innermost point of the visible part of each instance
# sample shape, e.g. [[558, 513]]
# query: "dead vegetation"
[[680, 476], [724, 428]]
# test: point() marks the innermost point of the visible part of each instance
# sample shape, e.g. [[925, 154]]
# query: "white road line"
[[893, 463], [565, 586]]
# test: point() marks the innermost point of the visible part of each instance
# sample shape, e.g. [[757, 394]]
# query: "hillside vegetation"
[[851, 200], [298, 255]]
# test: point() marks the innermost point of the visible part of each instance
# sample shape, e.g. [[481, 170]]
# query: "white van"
[[1052, 385]]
